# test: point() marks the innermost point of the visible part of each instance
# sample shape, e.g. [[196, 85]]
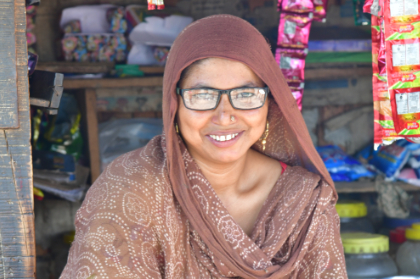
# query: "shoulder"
[[132, 185]]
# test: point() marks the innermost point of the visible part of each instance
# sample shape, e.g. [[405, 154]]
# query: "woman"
[[210, 198]]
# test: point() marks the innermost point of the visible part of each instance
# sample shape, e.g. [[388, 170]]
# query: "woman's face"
[[198, 128]]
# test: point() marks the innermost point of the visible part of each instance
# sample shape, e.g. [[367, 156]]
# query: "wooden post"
[[92, 133], [17, 235]]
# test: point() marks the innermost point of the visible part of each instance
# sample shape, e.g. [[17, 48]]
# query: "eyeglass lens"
[[241, 98]]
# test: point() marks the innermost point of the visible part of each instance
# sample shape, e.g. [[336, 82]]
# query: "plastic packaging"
[[292, 63], [353, 217], [301, 6], [396, 239], [408, 255], [390, 159], [294, 30], [120, 136], [366, 256], [297, 92], [342, 165]]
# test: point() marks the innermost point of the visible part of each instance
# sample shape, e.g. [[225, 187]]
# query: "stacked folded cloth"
[[292, 44]]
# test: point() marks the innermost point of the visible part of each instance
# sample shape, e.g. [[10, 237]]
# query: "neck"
[[230, 178]]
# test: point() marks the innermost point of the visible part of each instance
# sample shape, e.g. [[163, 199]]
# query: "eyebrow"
[[203, 85]]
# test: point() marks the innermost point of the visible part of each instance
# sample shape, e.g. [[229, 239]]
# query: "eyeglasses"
[[208, 98]]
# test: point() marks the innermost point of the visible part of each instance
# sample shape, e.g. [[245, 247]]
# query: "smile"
[[224, 137]]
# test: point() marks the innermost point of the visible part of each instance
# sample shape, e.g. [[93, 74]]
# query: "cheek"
[[191, 122]]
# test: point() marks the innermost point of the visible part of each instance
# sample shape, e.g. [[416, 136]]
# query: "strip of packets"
[[292, 44], [155, 4], [396, 69]]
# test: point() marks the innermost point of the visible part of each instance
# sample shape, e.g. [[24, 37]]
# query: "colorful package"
[[116, 19], [95, 47], [73, 26], [341, 166], [294, 30], [297, 92], [372, 7], [390, 159], [292, 63], [302, 6], [155, 4]]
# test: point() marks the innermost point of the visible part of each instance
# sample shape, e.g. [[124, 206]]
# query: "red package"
[[292, 63], [372, 7], [402, 60], [297, 6], [294, 30], [406, 110]]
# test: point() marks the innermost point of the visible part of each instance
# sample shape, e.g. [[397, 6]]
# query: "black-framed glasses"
[[245, 98]]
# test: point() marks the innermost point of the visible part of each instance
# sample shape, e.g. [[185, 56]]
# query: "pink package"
[[297, 6], [292, 63], [294, 30], [297, 92], [320, 10]]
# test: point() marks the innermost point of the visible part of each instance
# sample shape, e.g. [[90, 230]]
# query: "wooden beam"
[[92, 133], [89, 67], [112, 82], [336, 72], [17, 233], [368, 187], [76, 67]]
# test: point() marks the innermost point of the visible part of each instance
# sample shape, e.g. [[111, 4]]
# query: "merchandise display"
[[366, 256], [396, 103], [293, 35], [353, 217]]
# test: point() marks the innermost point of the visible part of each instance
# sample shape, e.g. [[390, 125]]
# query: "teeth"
[[224, 138]]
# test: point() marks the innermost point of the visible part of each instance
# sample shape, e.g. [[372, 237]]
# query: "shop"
[[106, 61]]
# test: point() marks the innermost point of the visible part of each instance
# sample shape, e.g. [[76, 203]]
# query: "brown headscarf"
[[153, 214]]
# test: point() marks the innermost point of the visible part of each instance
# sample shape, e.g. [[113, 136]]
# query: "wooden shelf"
[[112, 82], [336, 71], [89, 67], [368, 187]]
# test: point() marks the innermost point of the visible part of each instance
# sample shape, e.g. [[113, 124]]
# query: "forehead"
[[220, 73]]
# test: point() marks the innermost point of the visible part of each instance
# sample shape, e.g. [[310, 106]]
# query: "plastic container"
[[353, 217], [366, 256], [396, 239], [408, 255]]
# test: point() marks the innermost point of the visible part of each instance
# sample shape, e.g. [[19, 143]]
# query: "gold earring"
[[265, 135], [176, 128]]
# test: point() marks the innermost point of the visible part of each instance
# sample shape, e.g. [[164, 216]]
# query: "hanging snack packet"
[[301, 6], [297, 92], [320, 10], [373, 7], [292, 63], [294, 30]]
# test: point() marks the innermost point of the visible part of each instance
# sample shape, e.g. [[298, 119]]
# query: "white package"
[[92, 18]]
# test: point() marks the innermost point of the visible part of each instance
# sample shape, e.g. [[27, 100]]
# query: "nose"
[[223, 111]]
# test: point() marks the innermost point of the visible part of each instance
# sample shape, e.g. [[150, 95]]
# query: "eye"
[[204, 96], [245, 95]]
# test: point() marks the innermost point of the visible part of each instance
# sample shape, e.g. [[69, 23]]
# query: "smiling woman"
[[234, 186]]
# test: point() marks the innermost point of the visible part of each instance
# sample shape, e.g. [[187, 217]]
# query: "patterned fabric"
[[153, 214], [131, 226]]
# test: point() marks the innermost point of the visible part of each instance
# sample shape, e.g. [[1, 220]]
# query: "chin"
[[225, 157]]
